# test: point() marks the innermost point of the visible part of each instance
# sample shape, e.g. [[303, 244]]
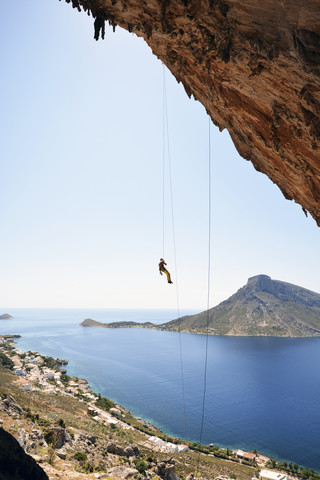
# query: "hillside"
[[262, 307]]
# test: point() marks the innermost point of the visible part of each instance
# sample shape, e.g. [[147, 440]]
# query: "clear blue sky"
[[81, 178]]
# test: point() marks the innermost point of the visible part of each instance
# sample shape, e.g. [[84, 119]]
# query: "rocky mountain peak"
[[262, 307]]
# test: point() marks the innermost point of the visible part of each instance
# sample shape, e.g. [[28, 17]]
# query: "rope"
[[208, 294], [166, 127], [164, 113]]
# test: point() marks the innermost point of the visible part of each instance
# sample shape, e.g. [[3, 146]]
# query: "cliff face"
[[255, 66]]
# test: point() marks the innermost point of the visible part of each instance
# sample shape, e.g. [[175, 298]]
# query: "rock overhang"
[[254, 66]]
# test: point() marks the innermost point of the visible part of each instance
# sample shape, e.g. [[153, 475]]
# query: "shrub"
[[51, 455], [61, 423], [80, 456], [5, 361], [87, 467], [141, 466], [65, 379]]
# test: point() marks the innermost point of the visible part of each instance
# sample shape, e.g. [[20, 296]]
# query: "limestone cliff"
[[255, 66]]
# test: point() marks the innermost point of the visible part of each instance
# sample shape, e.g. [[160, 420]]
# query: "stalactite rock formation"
[[255, 66]]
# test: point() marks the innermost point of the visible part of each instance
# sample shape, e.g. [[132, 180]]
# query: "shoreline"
[[153, 428], [90, 323]]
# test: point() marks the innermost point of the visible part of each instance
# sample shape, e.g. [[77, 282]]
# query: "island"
[[88, 322], [262, 307], [5, 316]]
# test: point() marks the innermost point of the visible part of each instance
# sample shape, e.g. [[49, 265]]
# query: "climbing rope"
[[166, 140], [208, 292]]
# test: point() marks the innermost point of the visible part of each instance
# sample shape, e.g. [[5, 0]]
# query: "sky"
[[81, 160]]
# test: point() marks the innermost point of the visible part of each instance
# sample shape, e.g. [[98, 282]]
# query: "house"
[[248, 456], [271, 475], [116, 411], [182, 448], [167, 446]]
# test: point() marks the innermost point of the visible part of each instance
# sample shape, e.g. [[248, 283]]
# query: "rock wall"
[[255, 66], [15, 464]]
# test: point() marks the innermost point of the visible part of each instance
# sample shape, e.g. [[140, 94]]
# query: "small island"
[[88, 322], [5, 316]]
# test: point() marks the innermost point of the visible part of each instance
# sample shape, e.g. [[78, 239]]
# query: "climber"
[[163, 269]]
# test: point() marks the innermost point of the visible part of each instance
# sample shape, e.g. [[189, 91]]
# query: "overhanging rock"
[[255, 66]]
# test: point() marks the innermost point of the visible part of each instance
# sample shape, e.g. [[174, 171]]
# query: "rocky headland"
[[263, 307]]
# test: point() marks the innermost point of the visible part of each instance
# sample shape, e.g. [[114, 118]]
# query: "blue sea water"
[[262, 393]]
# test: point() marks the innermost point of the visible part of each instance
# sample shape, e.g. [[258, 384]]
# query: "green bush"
[[80, 456], [141, 466], [65, 379], [5, 361]]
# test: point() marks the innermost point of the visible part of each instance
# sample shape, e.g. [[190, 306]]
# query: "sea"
[[260, 393]]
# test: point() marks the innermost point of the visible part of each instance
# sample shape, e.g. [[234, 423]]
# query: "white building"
[[168, 446], [271, 475]]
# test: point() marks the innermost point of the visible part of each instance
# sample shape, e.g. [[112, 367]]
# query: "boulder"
[[122, 472], [115, 449], [55, 437], [131, 451], [166, 470], [10, 407]]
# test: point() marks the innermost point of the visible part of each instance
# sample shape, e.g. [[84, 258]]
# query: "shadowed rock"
[[15, 464]]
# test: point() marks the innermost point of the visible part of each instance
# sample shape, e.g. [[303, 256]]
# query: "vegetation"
[[104, 403], [65, 379], [141, 466], [51, 362], [80, 456], [294, 469], [6, 361]]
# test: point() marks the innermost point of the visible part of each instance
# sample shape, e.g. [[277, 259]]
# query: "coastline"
[[110, 418], [89, 323]]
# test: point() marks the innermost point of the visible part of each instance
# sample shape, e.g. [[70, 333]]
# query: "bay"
[[261, 392]]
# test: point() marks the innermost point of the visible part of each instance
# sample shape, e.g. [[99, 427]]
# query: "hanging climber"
[[162, 269]]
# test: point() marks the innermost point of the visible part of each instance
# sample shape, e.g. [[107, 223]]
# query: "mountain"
[[262, 307]]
